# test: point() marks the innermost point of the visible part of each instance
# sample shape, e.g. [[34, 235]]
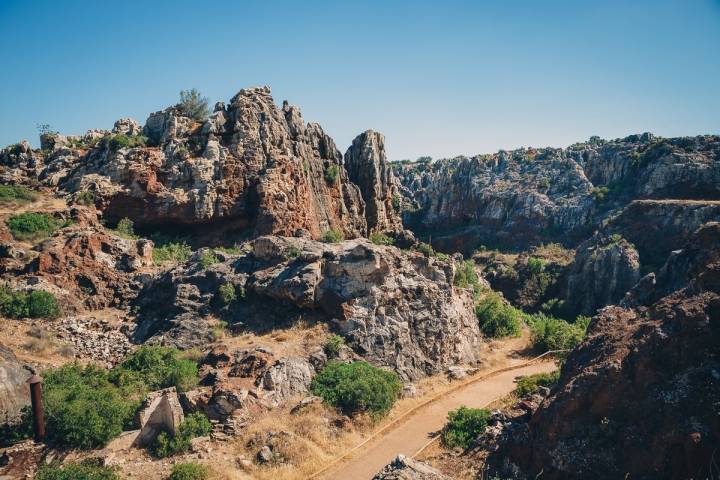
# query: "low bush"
[[86, 198], [425, 248], [550, 333], [126, 228], [172, 252], [189, 471], [195, 425], [36, 304], [154, 367], [83, 409], [116, 142], [357, 387], [333, 344], [536, 265], [229, 293], [599, 193], [396, 202], [498, 319], [32, 225], [381, 239], [331, 173], [207, 258], [16, 194], [87, 470], [464, 425], [465, 276], [192, 104], [333, 236], [529, 384]]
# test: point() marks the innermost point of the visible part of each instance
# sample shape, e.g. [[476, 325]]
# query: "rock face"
[[639, 395], [14, 390], [528, 196], [368, 169], [250, 168], [605, 268], [395, 309], [404, 468]]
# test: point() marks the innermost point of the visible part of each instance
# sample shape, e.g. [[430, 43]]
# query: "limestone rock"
[[404, 468], [14, 390], [161, 411], [287, 378]]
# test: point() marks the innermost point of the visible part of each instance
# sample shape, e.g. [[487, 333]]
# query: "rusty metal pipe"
[[36, 398]]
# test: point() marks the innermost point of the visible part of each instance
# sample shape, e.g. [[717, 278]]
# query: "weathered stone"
[[160, 412], [404, 468], [14, 390]]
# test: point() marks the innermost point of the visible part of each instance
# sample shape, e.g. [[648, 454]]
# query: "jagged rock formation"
[[528, 196], [250, 168], [14, 390], [638, 396], [605, 268], [404, 468], [368, 169], [396, 309]]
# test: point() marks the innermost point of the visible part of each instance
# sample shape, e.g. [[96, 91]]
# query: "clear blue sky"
[[438, 78]]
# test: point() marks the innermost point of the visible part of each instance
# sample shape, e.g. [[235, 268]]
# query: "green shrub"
[[189, 471], [36, 304], [86, 470], [172, 252], [116, 142], [195, 425], [207, 258], [331, 173], [32, 225], [293, 251], [154, 367], [126, 229], [550, 333], [498, 319], [82, 408], [529, 384], [16, 194], [227, 293], [466, 277], [600, 193], [464, 425], [425, 248], [357, 387], [333, 344], [192, 104], [381, 239], [396, 201], [333, 236], [86, 198], [536, 265]]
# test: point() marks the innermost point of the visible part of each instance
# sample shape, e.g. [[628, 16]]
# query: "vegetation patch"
[[86, 198], [530, 384], [195, 425], [333, 345], [192, 104], [498, 319], [156, 367], [16, 194], [550, 333], [464, 425], [36, 304], [331, 173], [207, 258], [86, 470], [466, 277], [333, 236], [171, 252], [357, 387], [117, 142], [32, 225], [189, 471], [381, 239]]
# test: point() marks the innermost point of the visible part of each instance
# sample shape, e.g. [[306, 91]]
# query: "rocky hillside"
[[513, 199]]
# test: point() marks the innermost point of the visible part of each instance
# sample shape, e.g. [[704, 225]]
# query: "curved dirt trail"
[[415, 431]]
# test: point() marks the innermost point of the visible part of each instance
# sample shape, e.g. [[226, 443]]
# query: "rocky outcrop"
[[404, 468], [368, 169], [160, 412], [14, 390], [528, 196], [288, 377], [637, 397], [395, 309], [605, 268]]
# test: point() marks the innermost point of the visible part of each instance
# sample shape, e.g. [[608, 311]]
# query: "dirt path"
[[415, 431]]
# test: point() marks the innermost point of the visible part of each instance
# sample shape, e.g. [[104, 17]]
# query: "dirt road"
[[416, 430]]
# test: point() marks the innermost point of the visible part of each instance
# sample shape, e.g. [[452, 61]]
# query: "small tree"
[[333, 344], [192, 104]]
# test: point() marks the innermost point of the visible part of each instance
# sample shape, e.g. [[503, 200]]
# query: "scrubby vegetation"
[[32, 225], [192, 104], [195, 425], [464, 425], [357, 387], [550, 333], [207, 258], [125, 228], [189, 471], [156, 367], [381, 239], [229, 293], [425, 248], [333, 236], [86, 198], [529, 384], [36, 304], [16, 194], [497, 318], [333, 344], [116, 142], [172, 252], [331, 173], [87, 470], [465, 276]]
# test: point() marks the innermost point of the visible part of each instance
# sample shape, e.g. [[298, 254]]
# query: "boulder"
[[14, 390], [160, 412], [404, 468]]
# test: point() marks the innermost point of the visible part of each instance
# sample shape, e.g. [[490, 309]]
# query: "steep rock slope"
[[395, 309]]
